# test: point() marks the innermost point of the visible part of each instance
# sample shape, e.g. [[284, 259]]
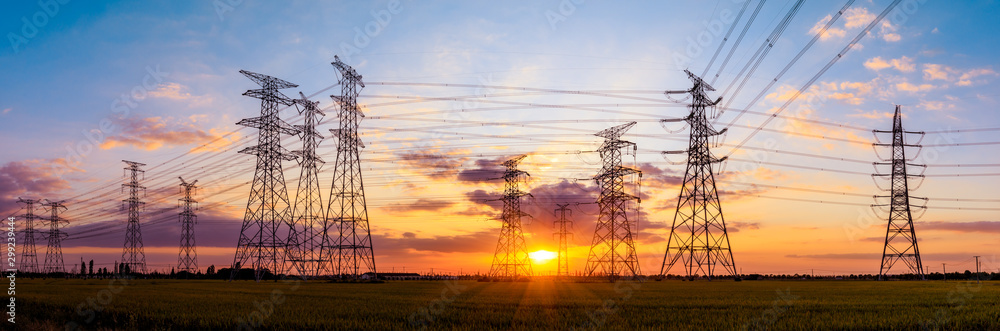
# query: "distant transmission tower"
[[29, 256], [132, 254], [510, 261], [267, 213], [53, 253], [187, 259], [698, 236], [305, 240], [350, 249], [900, 237], [562, 268], [612, 252]]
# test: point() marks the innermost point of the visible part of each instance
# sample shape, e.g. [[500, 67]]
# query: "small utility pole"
[[977, 269], [944, 272]]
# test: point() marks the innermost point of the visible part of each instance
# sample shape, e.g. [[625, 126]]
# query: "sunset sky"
[[492, 80]]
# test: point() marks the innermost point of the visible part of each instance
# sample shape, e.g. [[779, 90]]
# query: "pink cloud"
[[152, 133], [978, 226]]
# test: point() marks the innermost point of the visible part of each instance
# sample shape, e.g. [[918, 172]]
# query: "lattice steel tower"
[[187, 259], [307, 232], [53, 253], [698, 236], [510, 261], [900, 237], [264, 232], [350, 248], [562, 231], [132, 253], [612, 252], [29, 256]]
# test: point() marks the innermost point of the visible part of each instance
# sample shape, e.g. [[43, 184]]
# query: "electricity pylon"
[[29, 256], [562, 230], [698, 236], [132, 252], [510, 261], [268, 212], [53, 253], [350, 248], [305, 239], [187, 259], [612, 252], [900, 237]]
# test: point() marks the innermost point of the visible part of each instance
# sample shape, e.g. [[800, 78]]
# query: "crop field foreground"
[[98, 304]]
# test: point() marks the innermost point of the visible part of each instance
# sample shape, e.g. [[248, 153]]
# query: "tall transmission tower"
[[698, 236], [187, 258], [132, 253], [562, 230], [53, 253], [307, 232], [260, 243], [612, 252], [510, 261], [29, 256], [350, 251], [900, 237]]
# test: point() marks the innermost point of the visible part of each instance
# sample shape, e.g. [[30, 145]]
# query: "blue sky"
[[936, 59]]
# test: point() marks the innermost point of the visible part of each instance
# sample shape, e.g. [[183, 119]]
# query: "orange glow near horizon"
[[542, 256]]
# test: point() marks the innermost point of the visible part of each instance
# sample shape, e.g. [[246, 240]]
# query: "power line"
[[812, 80]]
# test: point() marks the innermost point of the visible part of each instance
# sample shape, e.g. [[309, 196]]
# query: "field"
[[470, 305]]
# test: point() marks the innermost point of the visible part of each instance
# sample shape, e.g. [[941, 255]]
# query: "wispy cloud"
[[435, 164], [737, 226], [476, 242], [874, 114], [937, 72], [979, 226], [912, 88], [32, 179], [903, 64], [426, 205], [844, 256], [832, 32], [888, 31], [967, 78], [857, 17], [152, 133]]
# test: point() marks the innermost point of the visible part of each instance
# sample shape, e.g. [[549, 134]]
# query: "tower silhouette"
[[510, 261], [350, 246], [187, 259], [698, 236], [132, 253], [900, 236], [53, 253], [612, 252], [562, 231], [267, 216], [307, 231], [29, 256]]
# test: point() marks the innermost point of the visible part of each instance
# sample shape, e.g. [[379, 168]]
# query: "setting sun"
[[542, 256]]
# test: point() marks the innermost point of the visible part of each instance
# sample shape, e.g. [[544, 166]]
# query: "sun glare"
[[542, 256]]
